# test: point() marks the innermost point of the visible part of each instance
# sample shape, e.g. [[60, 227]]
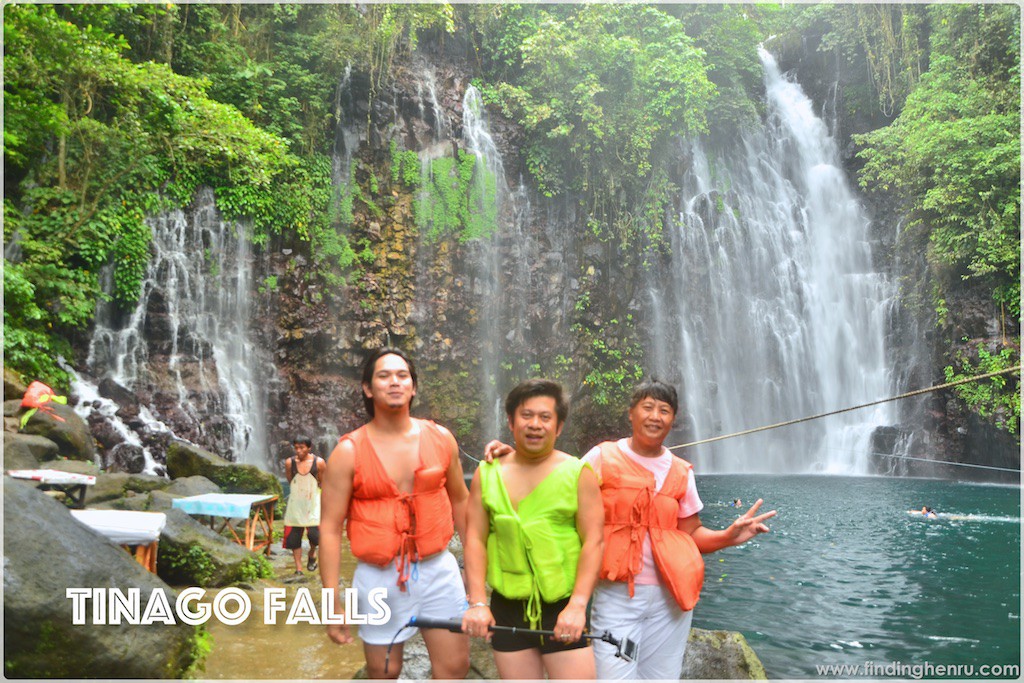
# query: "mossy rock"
[[246, 479], [107, 487], [187, 460], [51, 552], [721, 654], [14, 385], [144, 483], [193, 554]]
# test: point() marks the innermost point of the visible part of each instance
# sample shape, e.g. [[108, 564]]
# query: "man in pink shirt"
[[652, 603]]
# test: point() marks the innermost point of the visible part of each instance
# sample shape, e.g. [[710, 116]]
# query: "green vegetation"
[[953, 153], [191, 566], [457, 196], [94, 143], [996, 398], [202, 646], [256, 567], [610, 352], [601, 91], [115, 112], [952, 156], [454, 196]]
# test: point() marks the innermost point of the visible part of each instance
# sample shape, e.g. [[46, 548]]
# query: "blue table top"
[[220, 504]]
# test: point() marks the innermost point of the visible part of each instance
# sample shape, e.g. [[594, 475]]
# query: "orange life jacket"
[[632, 510], [385, 523], [38, 396]]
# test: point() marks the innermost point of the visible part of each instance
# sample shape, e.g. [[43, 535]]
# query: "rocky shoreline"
[[47, 551]]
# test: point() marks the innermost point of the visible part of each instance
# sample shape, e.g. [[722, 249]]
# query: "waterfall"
[[774, 310], [430, 108], [486, 262], [496, 252], [346, 133], [185, 349], [90, 404]]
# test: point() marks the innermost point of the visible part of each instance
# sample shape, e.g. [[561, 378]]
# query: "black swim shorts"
[[293, 539], [508, 612]]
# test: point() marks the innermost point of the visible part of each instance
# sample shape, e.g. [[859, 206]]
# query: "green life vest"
[[532, 552]]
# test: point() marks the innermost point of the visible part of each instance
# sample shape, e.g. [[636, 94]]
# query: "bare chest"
[[520, 481], [400, 458]]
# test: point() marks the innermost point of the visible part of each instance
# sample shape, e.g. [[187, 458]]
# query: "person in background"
[[535, 533], [397, 481], [304, 472]]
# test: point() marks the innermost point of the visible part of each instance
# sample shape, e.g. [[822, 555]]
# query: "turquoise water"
[[847, 577]]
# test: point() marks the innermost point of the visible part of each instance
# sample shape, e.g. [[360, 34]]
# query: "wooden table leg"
[[145, 555]]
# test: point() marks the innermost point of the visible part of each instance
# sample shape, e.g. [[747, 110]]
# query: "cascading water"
[[774, 310], [486, 258], [346, 133], [430, 108], [185, 346]]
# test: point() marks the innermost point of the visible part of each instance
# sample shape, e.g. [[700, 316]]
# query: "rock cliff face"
[[540, 297], [452, 303]]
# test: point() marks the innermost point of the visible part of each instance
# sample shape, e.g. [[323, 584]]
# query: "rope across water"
[[909, 394]]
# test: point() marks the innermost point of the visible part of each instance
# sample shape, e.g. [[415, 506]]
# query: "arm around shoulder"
[[455, 485]]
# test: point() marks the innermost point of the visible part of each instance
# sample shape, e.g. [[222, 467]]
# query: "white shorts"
[[651, 619], [434, 590]]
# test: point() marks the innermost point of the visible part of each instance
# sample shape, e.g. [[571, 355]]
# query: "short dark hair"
[[371, 364], [657, 390], [305, 440], [537, 387]]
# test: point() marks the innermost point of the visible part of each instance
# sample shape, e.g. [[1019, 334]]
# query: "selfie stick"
[[624, 648]]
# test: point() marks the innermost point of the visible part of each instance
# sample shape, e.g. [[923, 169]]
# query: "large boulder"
[[107, 487], [139, 502], [14, 385], [720, 654], [72, 436], [191, 486], [186, 460], [76, 466], [161, 501], [193, 554], [47, 551], [27, 452], [143, 483], [12, 407], [126, 457]]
